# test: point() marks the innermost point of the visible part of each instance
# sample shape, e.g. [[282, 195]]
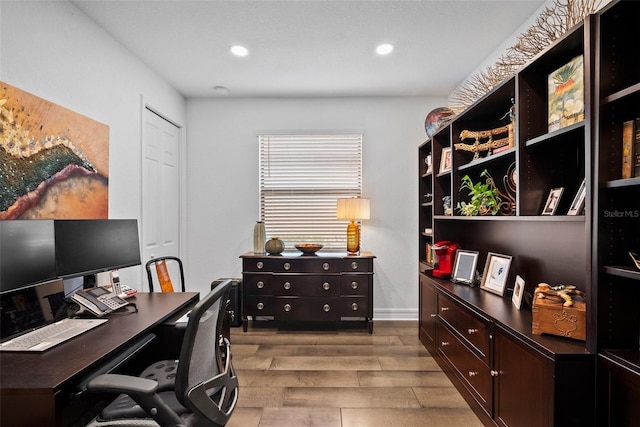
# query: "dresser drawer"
[[256, 265], [354, 306], [257, 305], [305, 264], [307, 285], [357, 265], [307, 308], [474, 373], [256, 284], [356, 284], [473, 329]]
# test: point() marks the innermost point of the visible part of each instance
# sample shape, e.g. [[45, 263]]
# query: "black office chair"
[[164, 371], [206, 386], [163, 266]]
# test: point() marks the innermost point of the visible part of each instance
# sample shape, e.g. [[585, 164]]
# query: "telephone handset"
[[97, 301], [120, 289]]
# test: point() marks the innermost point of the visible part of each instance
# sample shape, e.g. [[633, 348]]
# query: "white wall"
[[223, 182], [54, 51]]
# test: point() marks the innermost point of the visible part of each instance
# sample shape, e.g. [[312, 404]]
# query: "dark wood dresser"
[[291, 287]]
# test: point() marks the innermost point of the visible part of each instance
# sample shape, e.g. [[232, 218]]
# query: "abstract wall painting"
[[54, 162]]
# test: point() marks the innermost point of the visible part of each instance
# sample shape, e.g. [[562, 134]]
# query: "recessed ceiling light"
[[384, 49], [220, 90], [238, 50]]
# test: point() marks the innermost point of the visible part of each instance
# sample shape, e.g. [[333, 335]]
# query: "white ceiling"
[[312, 48]]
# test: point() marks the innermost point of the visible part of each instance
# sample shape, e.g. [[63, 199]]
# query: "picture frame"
[[496, 271], [445, 160], [566, 94], [518, 291], [578, 200], [553, 200], [464, 267]]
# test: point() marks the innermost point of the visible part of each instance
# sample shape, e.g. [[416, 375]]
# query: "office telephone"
[[97, 301]]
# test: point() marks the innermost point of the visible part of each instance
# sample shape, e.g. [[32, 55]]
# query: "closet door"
[[160, 189]]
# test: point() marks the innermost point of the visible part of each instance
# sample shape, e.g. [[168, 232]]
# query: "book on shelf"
[[628, 136], [631, 148], [636, 149]]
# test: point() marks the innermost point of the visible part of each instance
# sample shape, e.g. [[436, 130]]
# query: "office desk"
[[36, 386]]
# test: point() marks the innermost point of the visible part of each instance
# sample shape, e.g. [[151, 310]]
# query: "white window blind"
[[301, 177]]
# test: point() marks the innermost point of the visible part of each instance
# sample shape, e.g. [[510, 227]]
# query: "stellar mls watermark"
[[622, 214]]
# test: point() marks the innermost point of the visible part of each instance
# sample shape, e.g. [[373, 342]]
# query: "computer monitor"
[[27, 253], [85, 247]]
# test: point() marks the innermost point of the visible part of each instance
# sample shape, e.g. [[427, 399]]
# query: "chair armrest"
[[116, 383]]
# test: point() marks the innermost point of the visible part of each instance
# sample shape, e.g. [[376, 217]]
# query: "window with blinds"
[[301, 177]]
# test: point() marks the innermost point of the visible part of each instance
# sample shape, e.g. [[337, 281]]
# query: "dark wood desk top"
[[73, 359]]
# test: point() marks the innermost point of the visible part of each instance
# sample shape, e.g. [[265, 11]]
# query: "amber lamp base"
[[353, 238]]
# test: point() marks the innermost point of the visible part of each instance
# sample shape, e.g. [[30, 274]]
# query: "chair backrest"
[[161, 268], [206, 382]]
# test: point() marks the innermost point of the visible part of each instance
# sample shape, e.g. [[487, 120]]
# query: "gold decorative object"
[[560, 293], [488, 145]]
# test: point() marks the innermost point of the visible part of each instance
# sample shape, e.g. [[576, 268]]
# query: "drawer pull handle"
[[326, 286], [444, 308], [444, 343], [326, 307], [354, 306], [259, 265], [287, 285], [472, 331], [354, 285], [325, 266], [287, 266], [287, 307], [473, 373], [434, 315], [260, 284], [354, 265], [260, 306], [494, 373]]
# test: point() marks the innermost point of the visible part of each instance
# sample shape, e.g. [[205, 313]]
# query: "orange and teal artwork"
[[54, 162]]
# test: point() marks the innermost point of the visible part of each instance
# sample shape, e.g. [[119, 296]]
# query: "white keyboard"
[[51, 335]]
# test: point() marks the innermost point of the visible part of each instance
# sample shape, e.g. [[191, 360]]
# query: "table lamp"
[[353, 209]]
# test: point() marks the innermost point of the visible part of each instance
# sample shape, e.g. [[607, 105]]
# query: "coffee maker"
[[446, 252]]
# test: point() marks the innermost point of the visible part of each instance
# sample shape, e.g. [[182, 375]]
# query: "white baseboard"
[[395, 314]]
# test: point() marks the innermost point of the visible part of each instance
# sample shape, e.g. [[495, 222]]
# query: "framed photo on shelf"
[[464, 267], [552, 201], [496, 271], [578, 200], [518, 291], [445, 160]]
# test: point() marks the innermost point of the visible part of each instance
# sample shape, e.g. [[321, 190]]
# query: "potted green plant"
[[485, 197]]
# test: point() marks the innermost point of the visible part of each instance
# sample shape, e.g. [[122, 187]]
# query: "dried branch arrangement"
[[553, 22]]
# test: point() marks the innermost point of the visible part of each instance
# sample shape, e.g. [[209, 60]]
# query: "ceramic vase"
[[274, 246], [259, 237]]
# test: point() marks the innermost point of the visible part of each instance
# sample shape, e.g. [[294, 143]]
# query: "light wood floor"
[[342, 378]]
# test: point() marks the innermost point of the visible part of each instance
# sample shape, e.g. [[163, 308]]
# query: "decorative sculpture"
[[560, 293], [490, 145]]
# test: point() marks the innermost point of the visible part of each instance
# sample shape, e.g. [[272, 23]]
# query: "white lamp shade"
[[353, 209]]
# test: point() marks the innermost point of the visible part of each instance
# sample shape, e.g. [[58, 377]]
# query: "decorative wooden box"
[[551, 317]]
